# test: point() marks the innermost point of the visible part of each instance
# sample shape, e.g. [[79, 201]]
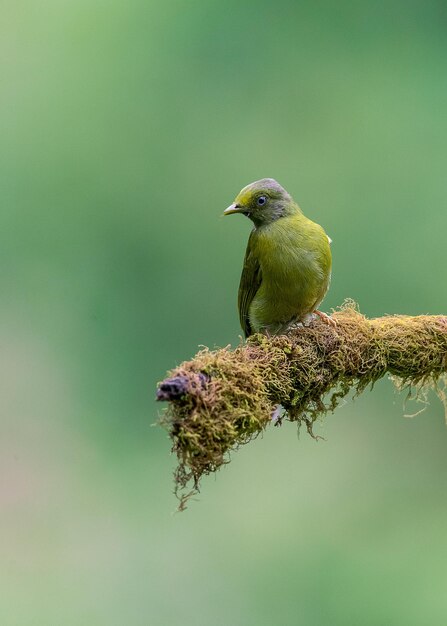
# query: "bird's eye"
[[261, 200]]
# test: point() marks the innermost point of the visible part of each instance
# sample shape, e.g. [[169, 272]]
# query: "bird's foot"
[[327, 319], [294, 325]]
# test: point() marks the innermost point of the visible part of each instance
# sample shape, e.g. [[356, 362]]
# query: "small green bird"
[[287, 266]]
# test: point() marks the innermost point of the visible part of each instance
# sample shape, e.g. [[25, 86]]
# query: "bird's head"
[[263, 201]]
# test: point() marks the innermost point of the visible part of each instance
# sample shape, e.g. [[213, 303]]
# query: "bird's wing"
[[251, 279]]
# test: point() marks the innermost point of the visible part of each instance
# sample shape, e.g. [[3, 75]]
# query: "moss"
[[225, 398]]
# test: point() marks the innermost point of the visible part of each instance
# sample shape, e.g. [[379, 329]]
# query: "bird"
[[288, 262]]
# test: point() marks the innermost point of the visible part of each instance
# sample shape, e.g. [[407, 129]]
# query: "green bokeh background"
[[127, 127]]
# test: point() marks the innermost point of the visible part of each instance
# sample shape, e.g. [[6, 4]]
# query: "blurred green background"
[[127, 128]]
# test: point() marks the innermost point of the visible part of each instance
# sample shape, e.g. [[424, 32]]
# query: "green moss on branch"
[[224, 398]]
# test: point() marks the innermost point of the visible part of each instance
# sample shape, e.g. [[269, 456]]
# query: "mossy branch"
[[224, 398]]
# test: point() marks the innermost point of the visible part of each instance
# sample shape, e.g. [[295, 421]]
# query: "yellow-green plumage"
[[287, 264]]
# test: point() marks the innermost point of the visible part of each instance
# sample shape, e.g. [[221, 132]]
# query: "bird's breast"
[[295, 259], [287, 251]]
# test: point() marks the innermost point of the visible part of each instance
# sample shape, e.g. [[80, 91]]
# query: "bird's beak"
[[233, 208]]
